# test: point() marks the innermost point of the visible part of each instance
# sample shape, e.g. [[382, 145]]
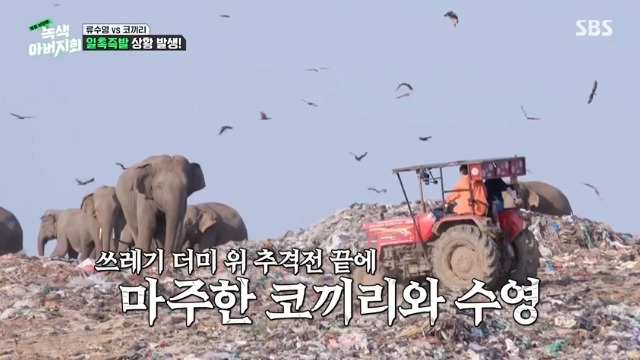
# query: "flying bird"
[[593, 92], [377, 191], [80, 182], [595, 189], [453, 16], [119, 164], [225, 16], [263, 116], [404, 84], [359, 157], [317, 69], [56, 5], [225, 128], [403, 95], [424, 138], [527, 116], [309, 103], [22, 117]]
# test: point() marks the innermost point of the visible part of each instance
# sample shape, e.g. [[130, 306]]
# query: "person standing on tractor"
[[462, 195], [495, 187]]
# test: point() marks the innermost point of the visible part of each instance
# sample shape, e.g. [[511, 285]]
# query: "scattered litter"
[[589, 306], [88, 266]]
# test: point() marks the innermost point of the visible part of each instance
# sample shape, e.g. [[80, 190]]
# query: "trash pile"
[[589, 306]]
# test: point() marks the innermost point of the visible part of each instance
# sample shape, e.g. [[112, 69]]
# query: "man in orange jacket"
[[462, 195]]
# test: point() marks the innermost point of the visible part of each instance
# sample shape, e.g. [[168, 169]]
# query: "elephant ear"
[[143, 176], [49, 218], [534, 199], [196, 179], [88, 206], [207, 220]]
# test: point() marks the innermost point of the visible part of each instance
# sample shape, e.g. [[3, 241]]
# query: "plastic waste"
[[88, 265]]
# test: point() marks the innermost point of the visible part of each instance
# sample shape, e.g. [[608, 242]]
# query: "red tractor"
[[454, 248]]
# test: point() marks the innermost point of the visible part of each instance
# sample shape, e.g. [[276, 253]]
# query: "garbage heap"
[[589, 306]]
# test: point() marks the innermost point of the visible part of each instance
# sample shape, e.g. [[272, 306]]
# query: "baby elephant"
[[73, 230], [207, 225]]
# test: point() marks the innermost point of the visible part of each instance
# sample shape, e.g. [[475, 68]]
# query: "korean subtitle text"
[[344, 259]]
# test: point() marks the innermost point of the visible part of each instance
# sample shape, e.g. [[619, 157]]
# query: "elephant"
[[10, 233], [74, 230], [103, 205], [540, 197], [207, 225], [153, 194], [126, 240]]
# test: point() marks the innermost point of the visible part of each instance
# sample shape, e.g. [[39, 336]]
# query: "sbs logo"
[[594, 28]]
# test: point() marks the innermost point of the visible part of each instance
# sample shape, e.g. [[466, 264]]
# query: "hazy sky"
[[94, 109]]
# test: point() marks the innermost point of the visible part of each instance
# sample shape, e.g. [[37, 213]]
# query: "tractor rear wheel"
[[463, 253], [527, 259]]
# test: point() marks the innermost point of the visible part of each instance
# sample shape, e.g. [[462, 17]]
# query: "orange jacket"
[[462, 196]]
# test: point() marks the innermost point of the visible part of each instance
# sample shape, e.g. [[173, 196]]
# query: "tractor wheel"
[[463, 253], [527, 259]]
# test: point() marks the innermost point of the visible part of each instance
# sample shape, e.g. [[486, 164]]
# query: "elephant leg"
[[87, 248], [146, 217], [187, 245], [62, 248], [159, 236], [209, 239], [72, 253], [220, 237], [155, 245], [190, 244], [118, 233], [125, 241]]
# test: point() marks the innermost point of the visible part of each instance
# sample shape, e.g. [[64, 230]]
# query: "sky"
[[96, 108]]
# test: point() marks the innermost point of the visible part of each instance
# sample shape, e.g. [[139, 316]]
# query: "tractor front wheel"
[[463, 253], [527, 259]]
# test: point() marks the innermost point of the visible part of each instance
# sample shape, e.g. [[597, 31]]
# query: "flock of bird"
[[453, 17], [264, 116], [454, 20]]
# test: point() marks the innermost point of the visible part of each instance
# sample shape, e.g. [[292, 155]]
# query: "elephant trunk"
[[174, 218], [42, 240]]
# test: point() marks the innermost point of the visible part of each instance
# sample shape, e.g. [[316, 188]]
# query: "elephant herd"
[[147, 208]]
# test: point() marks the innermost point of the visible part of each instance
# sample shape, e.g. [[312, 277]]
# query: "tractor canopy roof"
[[479, 169]]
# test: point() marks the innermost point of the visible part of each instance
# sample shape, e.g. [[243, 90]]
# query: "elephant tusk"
[[100, 233], [113, 234]]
